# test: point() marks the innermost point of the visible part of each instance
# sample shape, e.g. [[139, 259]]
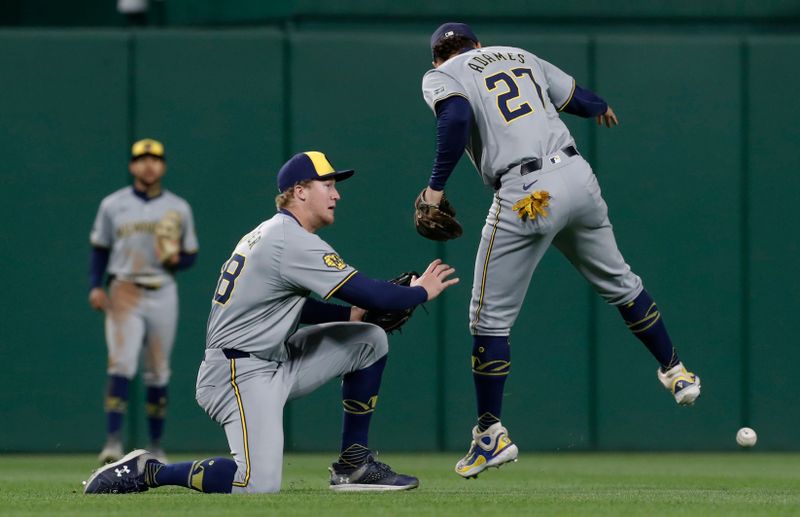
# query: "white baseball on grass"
[[746, 437]]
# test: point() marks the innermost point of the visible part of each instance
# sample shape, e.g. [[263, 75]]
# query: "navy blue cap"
[[450, 30], [310, 165]]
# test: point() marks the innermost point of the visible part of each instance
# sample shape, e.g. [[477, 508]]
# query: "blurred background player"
[[501, 105], [141, 236], [257, 359]]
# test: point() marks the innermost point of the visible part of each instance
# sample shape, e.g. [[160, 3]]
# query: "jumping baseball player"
[[141, 236], [502, 105], [256, 358]]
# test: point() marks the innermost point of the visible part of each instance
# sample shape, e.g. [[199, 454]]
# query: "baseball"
[[746, 437]]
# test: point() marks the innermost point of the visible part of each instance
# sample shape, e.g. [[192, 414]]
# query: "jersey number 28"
[[227, 279], [511, 84]]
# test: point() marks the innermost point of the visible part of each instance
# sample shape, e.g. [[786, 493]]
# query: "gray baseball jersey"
[[515, 99], [143, 295], [126, 223], [263, 286], [256, 358]]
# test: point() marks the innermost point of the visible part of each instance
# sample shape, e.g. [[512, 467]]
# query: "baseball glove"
[[168, 236], [436, 222], [393, 320]]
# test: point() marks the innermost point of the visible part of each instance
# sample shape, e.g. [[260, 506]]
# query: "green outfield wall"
[[701, 178], [83, 13]]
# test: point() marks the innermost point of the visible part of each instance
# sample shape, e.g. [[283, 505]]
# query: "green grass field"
[[743, 483]]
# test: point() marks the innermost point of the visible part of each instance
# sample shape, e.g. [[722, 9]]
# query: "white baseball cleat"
[[683, 384], [490, 448]]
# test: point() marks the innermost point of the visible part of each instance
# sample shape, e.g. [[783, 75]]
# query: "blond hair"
[[283, 199]]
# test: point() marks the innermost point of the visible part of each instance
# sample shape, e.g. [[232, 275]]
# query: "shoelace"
[[121, 484], [383, 467]]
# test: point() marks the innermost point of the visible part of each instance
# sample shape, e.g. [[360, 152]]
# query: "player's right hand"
[[433, 197], [357, 313], [434, 279], [98, 299]]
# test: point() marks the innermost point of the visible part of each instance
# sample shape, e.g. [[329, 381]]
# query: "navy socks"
[[359, 397], [212, 475], [491, 364], [156, 411], [116, 404], [644, 320]]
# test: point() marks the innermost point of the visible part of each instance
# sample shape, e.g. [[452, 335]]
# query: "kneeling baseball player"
[[256, 359]]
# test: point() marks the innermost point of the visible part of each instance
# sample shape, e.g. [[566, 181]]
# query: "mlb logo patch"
[[555, 159]]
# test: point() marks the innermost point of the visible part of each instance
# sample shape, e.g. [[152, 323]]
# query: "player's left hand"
[[609, 118], [435, 217], [357, 313]]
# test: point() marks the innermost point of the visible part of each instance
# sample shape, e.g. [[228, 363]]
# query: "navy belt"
[[148, 287], [111, 278], [232, 353], [536, 164]]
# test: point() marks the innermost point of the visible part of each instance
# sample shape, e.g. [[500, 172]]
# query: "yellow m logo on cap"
[[321, 164], [147, 146]]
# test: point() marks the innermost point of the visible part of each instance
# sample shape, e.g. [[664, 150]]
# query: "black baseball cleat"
[[122, 477], [371, 476]]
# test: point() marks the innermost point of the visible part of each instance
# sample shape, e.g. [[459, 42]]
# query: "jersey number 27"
[[511, 84]]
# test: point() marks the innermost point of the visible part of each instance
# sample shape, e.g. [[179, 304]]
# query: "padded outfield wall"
[[700, 178]]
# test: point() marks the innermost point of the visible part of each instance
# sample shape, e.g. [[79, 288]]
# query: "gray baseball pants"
[[246, 396], [511, 247], [140, 317]]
